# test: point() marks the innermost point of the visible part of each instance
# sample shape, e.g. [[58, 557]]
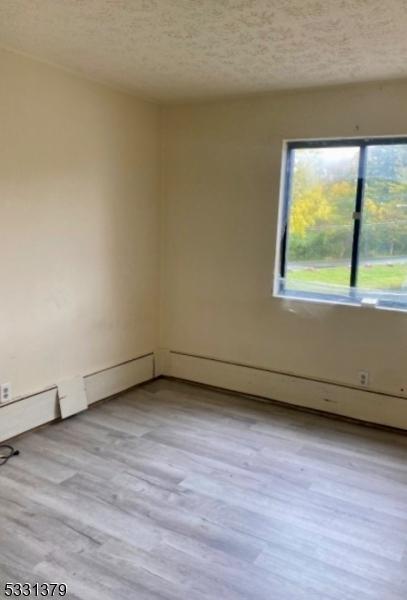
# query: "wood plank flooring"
[[173, 492]]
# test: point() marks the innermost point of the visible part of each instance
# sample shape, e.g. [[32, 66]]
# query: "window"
[[344, 222]]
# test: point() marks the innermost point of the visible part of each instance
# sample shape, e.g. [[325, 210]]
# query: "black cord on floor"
[[6, 452]]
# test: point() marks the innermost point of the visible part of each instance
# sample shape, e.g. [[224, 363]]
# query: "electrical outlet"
[[5, 392], [364, 378]]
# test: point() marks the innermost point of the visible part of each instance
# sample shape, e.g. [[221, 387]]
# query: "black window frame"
[[362, 144]]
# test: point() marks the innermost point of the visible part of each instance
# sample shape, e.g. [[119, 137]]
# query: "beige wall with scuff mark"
[[79, 175], [221, 183], [86, 172]]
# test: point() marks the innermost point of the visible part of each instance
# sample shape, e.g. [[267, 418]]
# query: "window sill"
[[339, 301]]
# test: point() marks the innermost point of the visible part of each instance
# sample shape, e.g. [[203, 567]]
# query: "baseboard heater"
[[334, 398], [31, 411], [370, 406]]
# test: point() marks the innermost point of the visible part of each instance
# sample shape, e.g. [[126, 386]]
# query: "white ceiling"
[[184, 49]]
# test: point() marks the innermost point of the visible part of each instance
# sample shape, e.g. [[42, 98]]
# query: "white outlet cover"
[[364, 378], [72, 396], [5, 392]]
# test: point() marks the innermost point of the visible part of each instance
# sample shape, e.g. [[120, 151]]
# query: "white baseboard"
[[28, 413], [162, 361], [111, 381], [351, 402], [35, 410]]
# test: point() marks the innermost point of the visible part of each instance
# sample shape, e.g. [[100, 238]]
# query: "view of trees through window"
[[320, 233]]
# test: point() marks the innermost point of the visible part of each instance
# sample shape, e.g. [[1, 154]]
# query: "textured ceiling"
[[184, 49]]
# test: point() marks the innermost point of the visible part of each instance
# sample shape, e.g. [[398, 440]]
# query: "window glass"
[[320, 219], [382, 269]]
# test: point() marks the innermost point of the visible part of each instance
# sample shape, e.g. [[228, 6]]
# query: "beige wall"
[[79, 178], [79, 242], [221, 189]]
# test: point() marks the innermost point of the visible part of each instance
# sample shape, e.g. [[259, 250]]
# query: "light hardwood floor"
[[173, 491]]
